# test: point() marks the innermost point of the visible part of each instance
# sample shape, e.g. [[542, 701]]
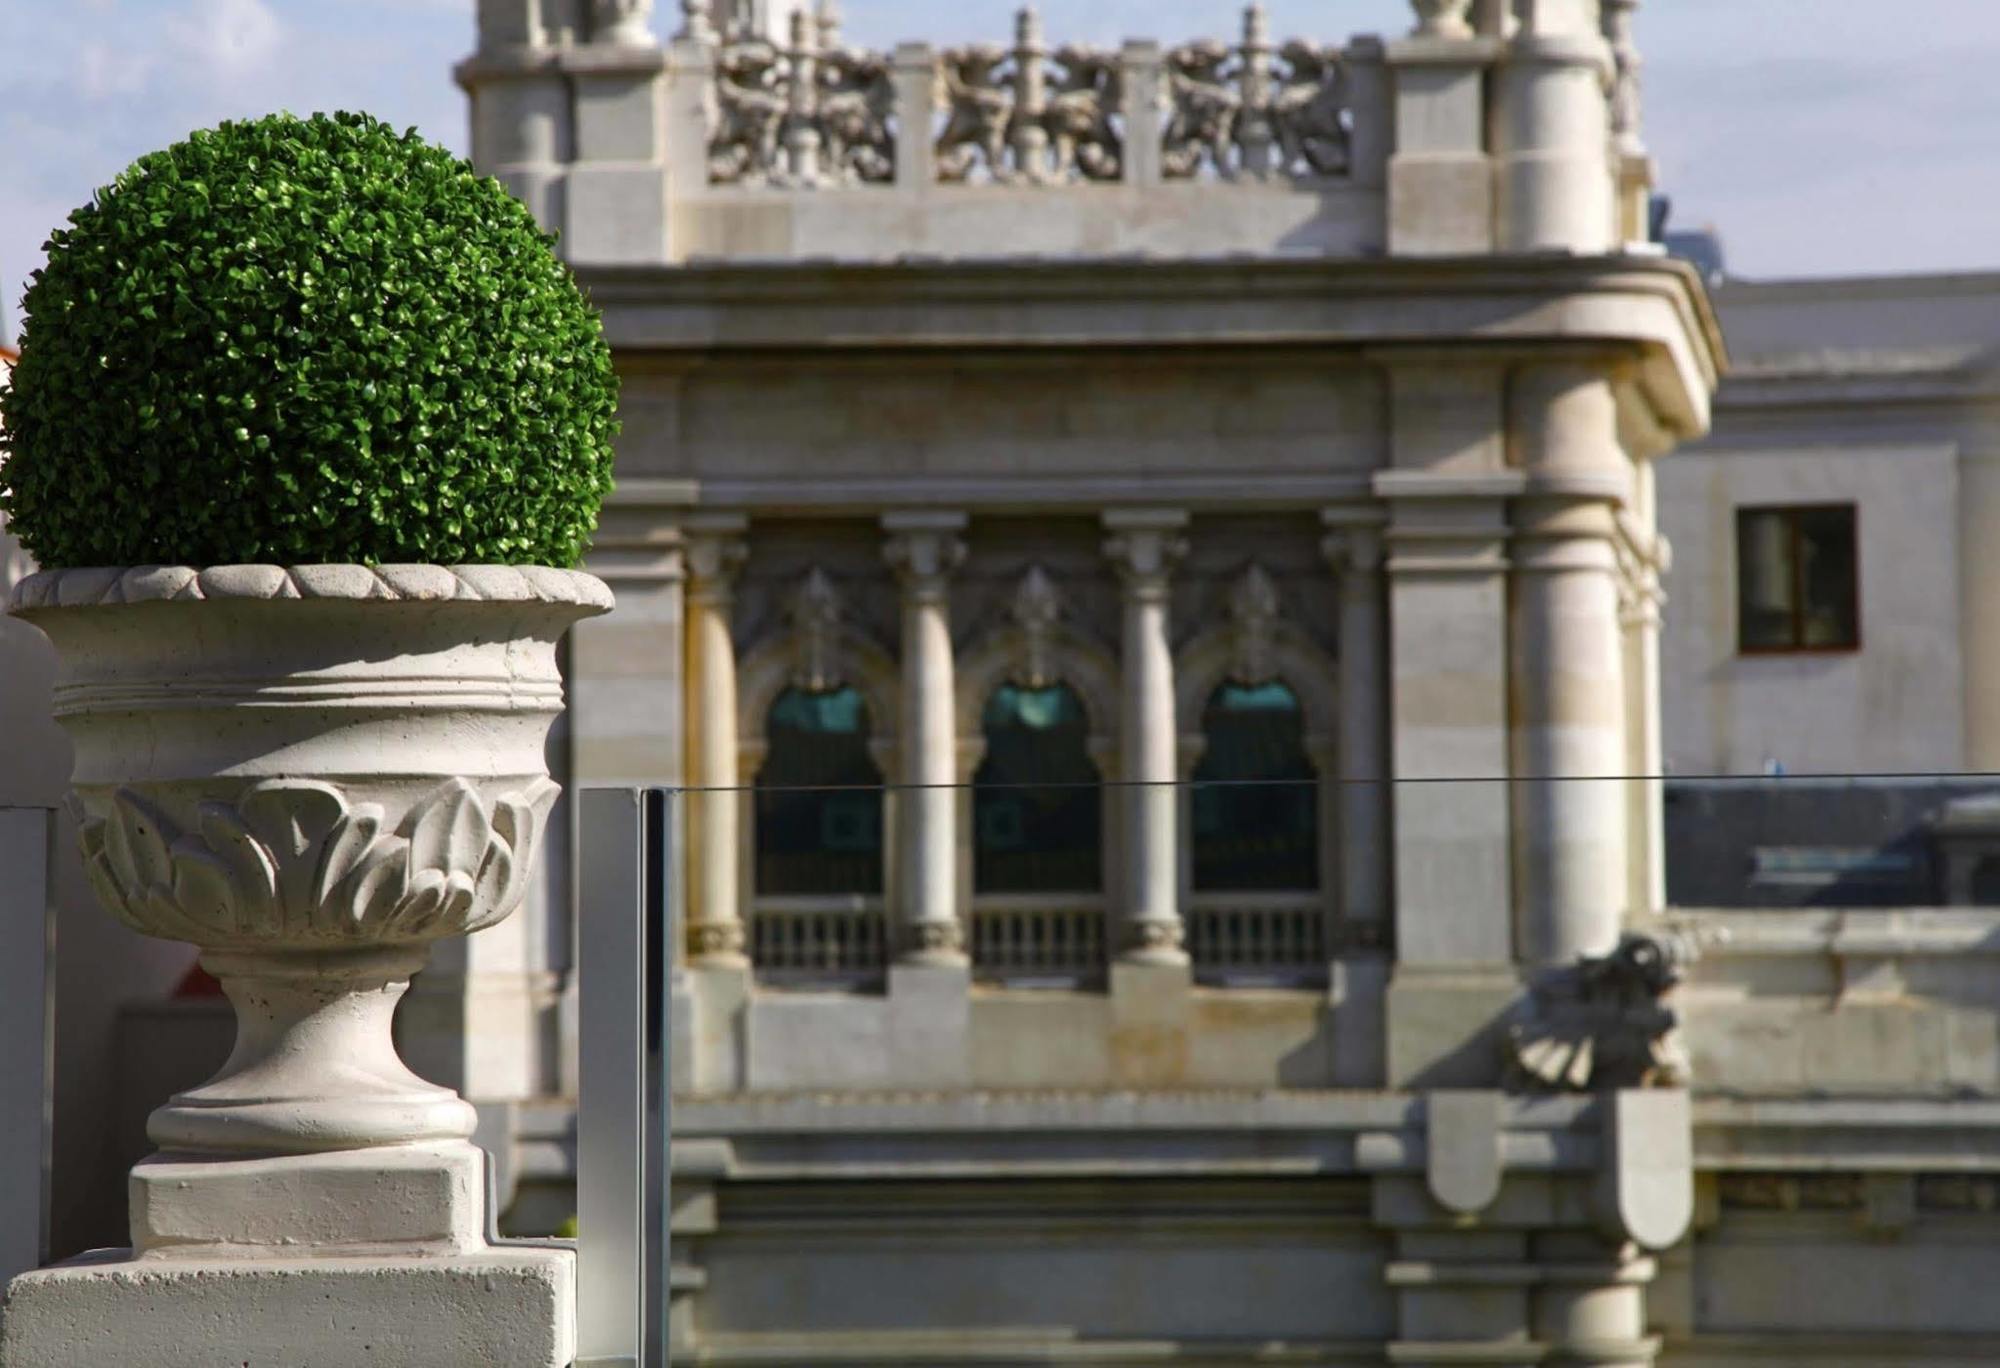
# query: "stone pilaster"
[[1440, 178], [1144, 545], [1446, 570], [925, 549], [1567, 682], [617, 192], [1355, 549], [520, 107], [1640, 602], [715, 551]]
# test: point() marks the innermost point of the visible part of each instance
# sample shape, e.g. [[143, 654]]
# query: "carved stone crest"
[[816, 611], [1037, 609]]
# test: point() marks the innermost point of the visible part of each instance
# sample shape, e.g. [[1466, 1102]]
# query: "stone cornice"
[[1652, 305]]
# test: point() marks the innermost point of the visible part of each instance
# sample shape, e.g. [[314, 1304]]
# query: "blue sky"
[[1820, 136]]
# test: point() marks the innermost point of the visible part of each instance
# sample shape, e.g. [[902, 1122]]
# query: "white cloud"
[[230, 36], [106, 73]]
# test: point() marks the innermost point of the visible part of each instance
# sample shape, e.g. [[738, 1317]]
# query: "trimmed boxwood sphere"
[[306, 340]]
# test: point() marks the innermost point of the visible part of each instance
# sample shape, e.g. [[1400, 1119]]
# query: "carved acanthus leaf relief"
[[1037, 610], [1605, 1023], [816, 611], [1254, 611], [297, 861]]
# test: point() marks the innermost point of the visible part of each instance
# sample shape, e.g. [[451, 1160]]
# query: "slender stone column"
[[715, 550], [1356, 552], [925, 549], [1567, 675], [1639, 616], [1144, 545]]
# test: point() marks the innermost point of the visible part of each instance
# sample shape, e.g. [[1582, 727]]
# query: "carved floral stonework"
[[1254, 110], [1037, 610], [303, 861], [1605, 1021]]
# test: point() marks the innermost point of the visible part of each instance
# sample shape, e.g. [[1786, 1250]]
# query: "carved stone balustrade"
[[813, 112]]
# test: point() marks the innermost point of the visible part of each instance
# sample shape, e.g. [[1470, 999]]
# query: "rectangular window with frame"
[[1797, 579]]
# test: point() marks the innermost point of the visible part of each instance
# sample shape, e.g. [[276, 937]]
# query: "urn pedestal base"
[[374, 1257], [491, 1308]]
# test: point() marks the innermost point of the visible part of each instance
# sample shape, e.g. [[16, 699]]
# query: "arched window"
[[1256, 795], [819, 798], [1036, 803]]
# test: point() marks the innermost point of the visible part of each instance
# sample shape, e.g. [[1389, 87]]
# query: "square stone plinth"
[[427, 1199], [501, 1307]]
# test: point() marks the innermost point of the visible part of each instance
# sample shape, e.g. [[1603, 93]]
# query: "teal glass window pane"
[[819, 798], [1036, 798], [1256, 795]]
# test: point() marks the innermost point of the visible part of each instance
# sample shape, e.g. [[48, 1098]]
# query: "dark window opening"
[[1036, 798], [819, 798], [1256, 794], [1797, 579]]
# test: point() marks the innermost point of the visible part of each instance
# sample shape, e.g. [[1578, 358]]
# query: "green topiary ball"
[[298, 341]]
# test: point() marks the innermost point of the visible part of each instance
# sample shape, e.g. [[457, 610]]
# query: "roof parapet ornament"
[[1442, 18], [628, 23]]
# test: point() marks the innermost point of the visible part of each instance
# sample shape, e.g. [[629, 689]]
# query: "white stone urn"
[[1443, 18], [312, 773]]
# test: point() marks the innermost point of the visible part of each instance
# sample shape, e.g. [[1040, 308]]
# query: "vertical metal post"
[[611, 1106], [659, 928], [27, 943]]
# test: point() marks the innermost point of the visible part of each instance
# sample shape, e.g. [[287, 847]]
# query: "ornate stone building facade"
[[1025, 419], [1035, 429]]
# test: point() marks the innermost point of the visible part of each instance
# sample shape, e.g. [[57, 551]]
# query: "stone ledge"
[[499, 1308]]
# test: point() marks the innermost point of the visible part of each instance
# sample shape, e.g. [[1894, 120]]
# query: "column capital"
[[1353, 543], [924, 549], [715, 551], [1144, 546]]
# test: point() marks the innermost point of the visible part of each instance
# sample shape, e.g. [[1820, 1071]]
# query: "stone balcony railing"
[[1493, 126]]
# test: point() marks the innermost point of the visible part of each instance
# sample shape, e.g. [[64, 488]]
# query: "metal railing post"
[[623, 959], [27, 941]]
